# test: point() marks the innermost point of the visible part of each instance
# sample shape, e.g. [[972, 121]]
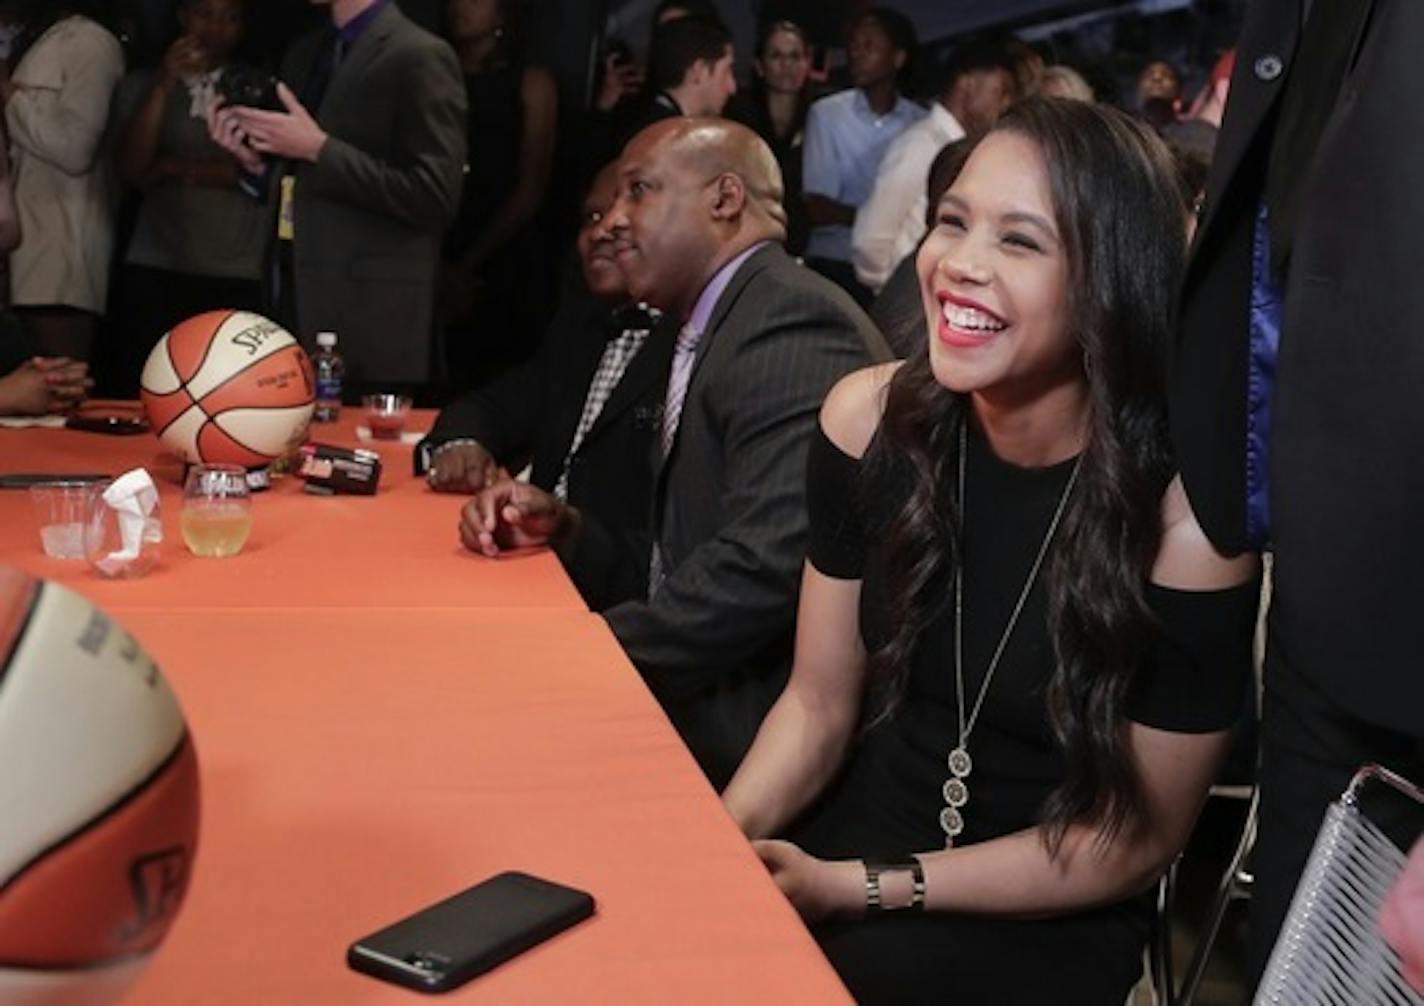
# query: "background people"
[[497, 278], [199, 242], [56, 104], [775, 106], [367, 152], [978, 87], [846, 136]]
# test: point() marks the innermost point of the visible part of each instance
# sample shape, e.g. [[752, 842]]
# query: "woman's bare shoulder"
[[851, 412]]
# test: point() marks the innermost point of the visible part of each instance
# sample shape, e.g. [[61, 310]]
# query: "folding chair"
[[1330, 951]]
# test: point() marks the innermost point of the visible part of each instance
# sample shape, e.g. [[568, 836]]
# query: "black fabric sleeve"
[[837, 523], [1197, 675]]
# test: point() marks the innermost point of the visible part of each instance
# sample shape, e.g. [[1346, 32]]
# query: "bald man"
[[697, 227]]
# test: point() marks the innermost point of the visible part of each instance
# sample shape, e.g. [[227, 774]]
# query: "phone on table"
[[97, 423], [445, 945]]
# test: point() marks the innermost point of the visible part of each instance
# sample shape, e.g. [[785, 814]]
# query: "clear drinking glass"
[[386, 415], [61, 508], [120, 545], [217, 510]]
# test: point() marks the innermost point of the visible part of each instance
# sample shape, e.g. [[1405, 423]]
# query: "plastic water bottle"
[[329, 372]]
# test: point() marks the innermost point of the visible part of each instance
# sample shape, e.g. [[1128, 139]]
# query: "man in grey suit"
[[698, 227], [368, 153]]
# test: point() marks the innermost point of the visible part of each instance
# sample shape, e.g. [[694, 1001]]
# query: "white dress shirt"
[[892, 221]]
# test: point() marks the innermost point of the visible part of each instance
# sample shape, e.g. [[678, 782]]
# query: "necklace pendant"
[[960, 764], [952, 822], [956, 793]]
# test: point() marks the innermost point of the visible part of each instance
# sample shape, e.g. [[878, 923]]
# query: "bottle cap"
[[326, 339]]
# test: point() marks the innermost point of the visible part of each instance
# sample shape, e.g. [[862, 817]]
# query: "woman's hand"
[[183, 58], [620, 80], [44, 385], [818, 888]]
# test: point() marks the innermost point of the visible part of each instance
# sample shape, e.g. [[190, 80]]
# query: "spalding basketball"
[[99, 790], [228, 387]]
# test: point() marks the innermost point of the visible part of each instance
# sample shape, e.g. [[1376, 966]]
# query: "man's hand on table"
[[513, 515], [462, 467]]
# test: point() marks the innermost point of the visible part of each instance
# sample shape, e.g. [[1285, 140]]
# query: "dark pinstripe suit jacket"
[[729, 513]]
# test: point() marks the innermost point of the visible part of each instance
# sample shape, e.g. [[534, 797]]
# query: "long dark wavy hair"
[[1121, 219]]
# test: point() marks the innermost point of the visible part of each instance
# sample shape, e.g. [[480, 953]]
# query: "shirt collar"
[[945, 119], [712, 292], [351, 30], [862, 107]]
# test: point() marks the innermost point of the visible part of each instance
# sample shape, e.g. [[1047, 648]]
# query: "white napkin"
[[23, 422], [132, 496]]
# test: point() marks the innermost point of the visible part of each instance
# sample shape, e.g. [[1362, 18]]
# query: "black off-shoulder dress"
[[886, 800]]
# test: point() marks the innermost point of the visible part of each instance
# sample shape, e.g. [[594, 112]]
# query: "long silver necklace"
[[956, 787]]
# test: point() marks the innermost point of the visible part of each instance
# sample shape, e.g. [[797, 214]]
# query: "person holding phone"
[[1018, 659], [365, 161]]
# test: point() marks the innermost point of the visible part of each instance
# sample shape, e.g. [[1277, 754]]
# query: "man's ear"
[[699, 71], [729, 196], [900, 58]]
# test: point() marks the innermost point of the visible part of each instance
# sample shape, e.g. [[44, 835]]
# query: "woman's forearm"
[[1016, 875], [797, 751]]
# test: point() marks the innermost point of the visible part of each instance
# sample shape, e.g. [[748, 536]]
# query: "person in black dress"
[[497, 281], [1018, 657], [775, 106]]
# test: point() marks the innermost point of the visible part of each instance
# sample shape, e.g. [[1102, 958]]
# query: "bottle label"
[[328, 387]]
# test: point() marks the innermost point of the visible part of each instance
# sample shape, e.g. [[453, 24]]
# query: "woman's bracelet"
[[873, 870]]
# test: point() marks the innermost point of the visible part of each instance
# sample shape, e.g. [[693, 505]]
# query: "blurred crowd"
[[434, 232]]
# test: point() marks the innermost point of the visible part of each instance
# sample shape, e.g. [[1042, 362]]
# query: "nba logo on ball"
[[98, 800], [228, 387]]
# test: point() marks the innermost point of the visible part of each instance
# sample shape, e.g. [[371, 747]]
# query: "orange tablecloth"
[[355, 770], [397, 549], [382, 721]]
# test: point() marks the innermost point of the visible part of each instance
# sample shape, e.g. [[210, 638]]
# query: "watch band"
[[874, 868]]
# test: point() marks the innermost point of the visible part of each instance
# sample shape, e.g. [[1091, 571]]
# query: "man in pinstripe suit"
[[698, 227]]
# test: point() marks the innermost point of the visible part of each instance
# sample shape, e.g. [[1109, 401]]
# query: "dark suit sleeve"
[[420, 185], [503, 415], [735, 593], [509, 414], [607, 566]]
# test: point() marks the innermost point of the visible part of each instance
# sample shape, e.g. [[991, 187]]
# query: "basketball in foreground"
[[99, 791], [228, 387]]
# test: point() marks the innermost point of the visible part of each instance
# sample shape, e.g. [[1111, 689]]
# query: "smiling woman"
[[1017, 656]]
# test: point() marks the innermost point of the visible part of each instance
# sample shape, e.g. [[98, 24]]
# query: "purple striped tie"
[[683, 353]]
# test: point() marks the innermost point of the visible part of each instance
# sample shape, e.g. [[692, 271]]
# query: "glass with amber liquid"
[[217, 510]]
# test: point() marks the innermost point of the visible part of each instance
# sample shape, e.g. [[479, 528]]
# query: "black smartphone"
[[117, 425], [250, 87], [442, 947]]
